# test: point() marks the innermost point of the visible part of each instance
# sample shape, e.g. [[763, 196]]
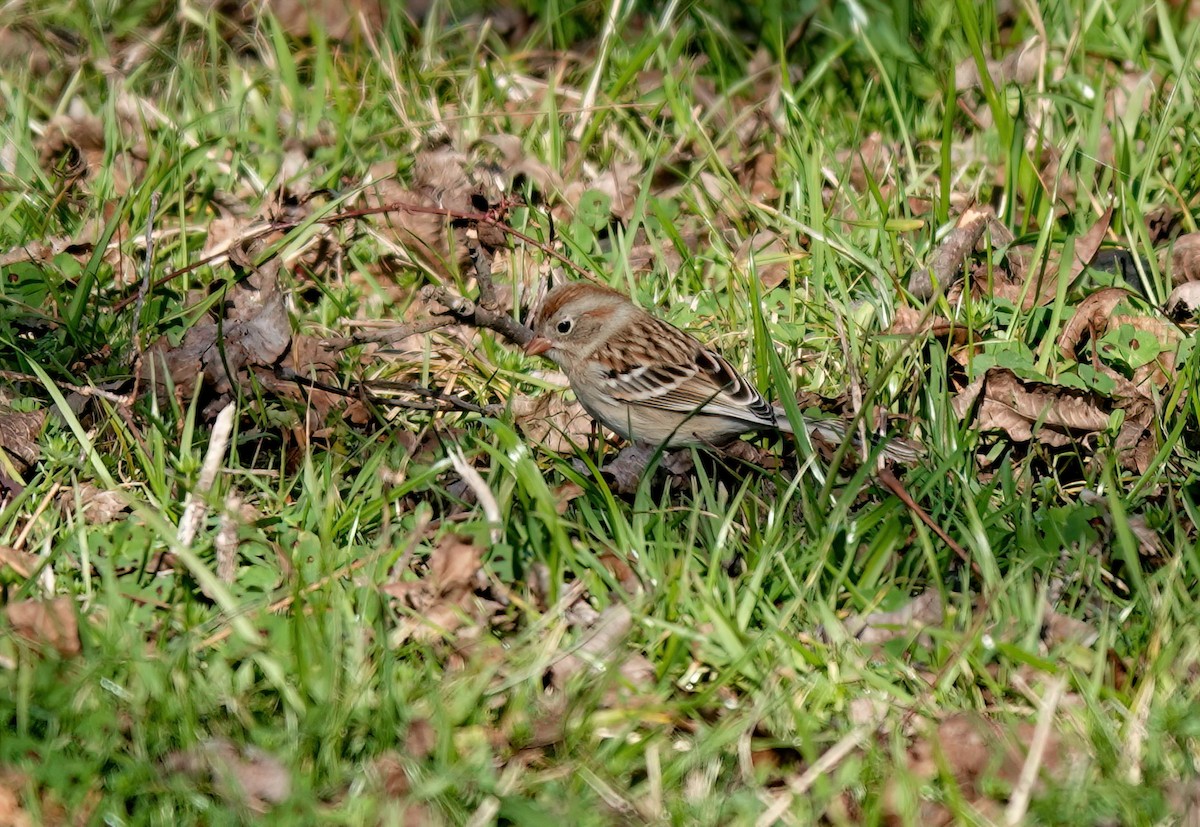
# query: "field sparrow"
[[651, 382]]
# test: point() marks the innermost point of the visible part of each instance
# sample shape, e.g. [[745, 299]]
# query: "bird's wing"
[[671, 371]]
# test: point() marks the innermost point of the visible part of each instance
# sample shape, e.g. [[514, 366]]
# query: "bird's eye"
[[565, 326]]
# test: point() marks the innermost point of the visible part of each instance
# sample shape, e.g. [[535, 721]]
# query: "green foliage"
[[743, 575]]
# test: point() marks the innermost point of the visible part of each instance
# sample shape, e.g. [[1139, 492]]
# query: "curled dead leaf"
[[47, 622], [74, 147], [1008, 404], [553, 422], [1021, 67], [1043, 290], [910, 321], [248, 776], [442, 600], [772, 260], [97, 506], [1091, 314], [1181, 261], [254, 334], [1184, 302], [922, 611], [18, 435]]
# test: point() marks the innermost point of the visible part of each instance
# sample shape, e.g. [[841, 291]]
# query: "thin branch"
[[889, 480], [362, 391], [389, 334], [468, 312], [144, 288], [398, 206], [483, 275]]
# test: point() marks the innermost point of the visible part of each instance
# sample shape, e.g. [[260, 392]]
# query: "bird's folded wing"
[[706, 384]]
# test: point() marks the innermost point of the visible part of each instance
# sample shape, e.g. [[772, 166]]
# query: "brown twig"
[[468, 312], [398, 206], [362, 391], [890, 481], [483, 275], [389, 334]]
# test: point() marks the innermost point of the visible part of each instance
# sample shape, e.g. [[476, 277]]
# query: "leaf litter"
[[452, 594]]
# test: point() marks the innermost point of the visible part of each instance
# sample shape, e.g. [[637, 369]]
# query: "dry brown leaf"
[[625, 473], [772, 259], [1163, 224], [1129, 92], [255, 333], [564, 494], [621, 183], [444, 599], [910, 321], [1046, 286], [21, 563], [336, 19], [18, 435], [553, 422], [600, 646], [1181, 261], [12, 814], [248, 776], [1020, 67], [1059, 629], [518, 164], [1096, 315], [984, 760], [1091, 314], [1006, 403], [454, 564], [97, 506], [48, 623], [879, 627], [74, 147], [1183, 305], [622, 571], [870, 162], [43, 251], [757, 177], [390, 775]]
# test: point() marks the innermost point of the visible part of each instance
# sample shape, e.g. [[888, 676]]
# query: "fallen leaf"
[[1181, 261], [48, 623], [73, 146], [254, 333], [1183, 305], [1019, 67], [1044, 289], [444, 599], [879, 627], [564, 494], [1059, 629], [984, 761], [1006, 403], [21, 563], [553, 422], [771, 257], [12, 814], [97, 506], [18, 435], [247, 775]]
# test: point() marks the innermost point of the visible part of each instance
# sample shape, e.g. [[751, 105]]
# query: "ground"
[[292, 531]]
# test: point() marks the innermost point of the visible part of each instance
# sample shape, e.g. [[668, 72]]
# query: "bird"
[[654, 384]]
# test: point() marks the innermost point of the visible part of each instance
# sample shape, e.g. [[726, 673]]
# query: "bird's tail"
[[831, 433]]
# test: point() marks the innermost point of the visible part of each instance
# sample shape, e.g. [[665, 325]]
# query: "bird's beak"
[[537, 346]]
